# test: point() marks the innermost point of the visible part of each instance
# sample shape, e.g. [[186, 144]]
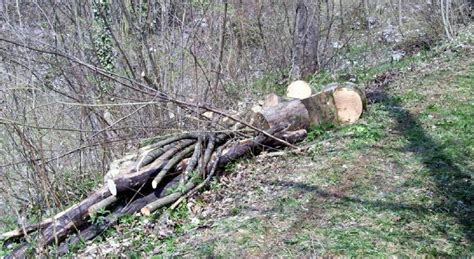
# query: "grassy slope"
[[398, 182]]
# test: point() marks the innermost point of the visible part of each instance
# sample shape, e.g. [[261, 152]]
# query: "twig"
[[193, 160], [176, 159], [203, 183]]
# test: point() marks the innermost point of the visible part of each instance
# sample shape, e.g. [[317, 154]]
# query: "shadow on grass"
[[379, 205], [454, 192], [454, 189]]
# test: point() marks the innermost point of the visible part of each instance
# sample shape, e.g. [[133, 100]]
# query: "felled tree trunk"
[[292, 112], [79, 216], [337, 103], [349, 100], [272, 100], [299, 89], [170, 170]]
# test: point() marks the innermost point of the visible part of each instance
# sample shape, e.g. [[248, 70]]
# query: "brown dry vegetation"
[[81, 85], [393, 184]]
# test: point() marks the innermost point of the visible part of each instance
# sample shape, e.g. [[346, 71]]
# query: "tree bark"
[[321, 108], [337, 103], [272, 100], [292, 113], [283, 124], [305, 42]]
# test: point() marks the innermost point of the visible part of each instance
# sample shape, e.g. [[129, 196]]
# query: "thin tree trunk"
[[306, 41], [221, 48], [299, 40], [400, 12]]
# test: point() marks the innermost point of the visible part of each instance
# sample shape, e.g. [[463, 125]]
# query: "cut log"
[[133, 181], [166, 200], [272, 100], [283, 123], [102, 205], [251, 145], [321, 108], [171, 164], [23, 231], [256, 108], [338, 103], [299, 89], [292, 113], [65, 223], [208, 115], [145, 155], [350, 101], [91, 231]]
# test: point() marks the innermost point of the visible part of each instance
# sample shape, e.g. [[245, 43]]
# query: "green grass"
[[398, 182], [362, 74], [269, 83], [321, 131], [432, 202]]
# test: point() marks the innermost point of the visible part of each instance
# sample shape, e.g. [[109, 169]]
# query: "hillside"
[[135, 128], [397, 182]]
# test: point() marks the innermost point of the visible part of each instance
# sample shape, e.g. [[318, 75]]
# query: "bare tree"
[[83, 82], [306, 41]]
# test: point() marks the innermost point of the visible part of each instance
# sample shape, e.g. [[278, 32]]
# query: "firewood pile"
[[173, 168]]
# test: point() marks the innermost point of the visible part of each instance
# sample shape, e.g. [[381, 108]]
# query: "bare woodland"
[[85, 83]]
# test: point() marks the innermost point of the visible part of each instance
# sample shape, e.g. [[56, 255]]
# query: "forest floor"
[[398, 182]]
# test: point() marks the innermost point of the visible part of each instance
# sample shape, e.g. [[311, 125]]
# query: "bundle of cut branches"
[[166, 172]]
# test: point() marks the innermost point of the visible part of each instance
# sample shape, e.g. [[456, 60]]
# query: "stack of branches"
[[173, 168], [161, 174]]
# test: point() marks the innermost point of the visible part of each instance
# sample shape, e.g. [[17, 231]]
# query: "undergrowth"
[[397, 183]]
